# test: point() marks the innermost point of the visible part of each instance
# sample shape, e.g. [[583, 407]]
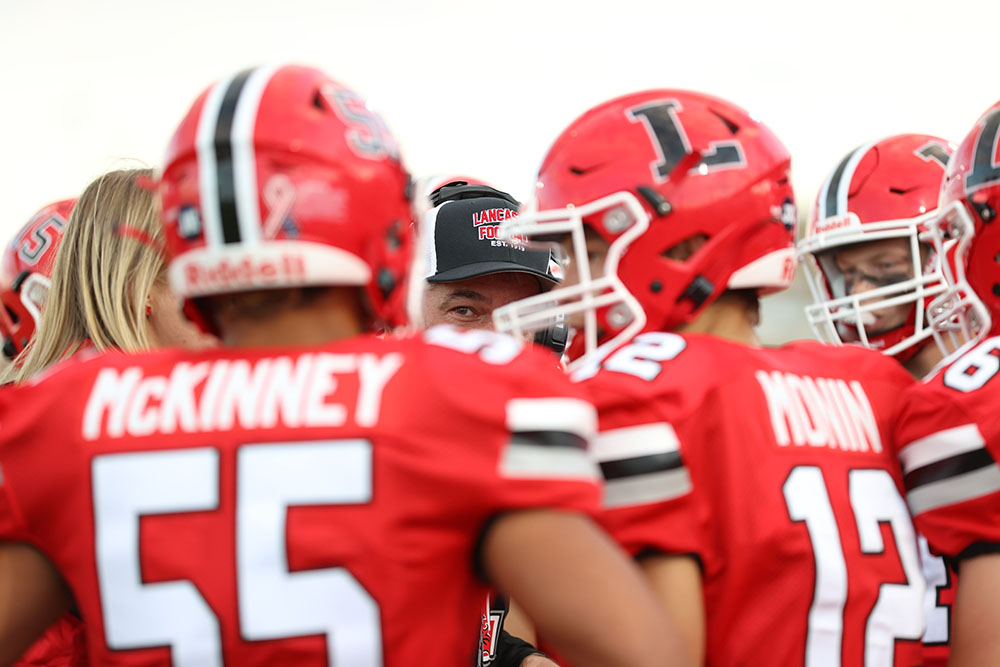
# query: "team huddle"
[[276, 403]]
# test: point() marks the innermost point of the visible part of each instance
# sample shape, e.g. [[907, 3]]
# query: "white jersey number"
[[937, 578], [974, 369], [897, 613], [273, 602]]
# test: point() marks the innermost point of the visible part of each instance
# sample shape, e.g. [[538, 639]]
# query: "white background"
[[481, 87]]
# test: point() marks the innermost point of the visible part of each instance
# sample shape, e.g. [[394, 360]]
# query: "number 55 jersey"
[[774, 469], [294, 507]]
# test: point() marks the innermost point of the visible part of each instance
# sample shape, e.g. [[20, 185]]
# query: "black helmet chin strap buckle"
[[554, 337], [697, 291], [655, 199]]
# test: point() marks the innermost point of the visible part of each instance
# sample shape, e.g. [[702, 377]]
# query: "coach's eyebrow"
[[466, 294]]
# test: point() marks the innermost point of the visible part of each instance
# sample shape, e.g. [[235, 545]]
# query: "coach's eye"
[[464, 312]]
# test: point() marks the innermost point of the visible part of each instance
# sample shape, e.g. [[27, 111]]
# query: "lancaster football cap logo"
[[488, 223], [492, 216]]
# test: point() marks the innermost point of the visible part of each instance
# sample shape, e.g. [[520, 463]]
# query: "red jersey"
[[948, 436], [289, 506], [774, 468], [62, 645]]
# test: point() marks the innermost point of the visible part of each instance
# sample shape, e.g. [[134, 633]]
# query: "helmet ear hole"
[[683, 251]]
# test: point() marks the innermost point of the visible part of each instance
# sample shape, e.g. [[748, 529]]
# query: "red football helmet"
[[651, 172], [884, 195], [970, 199], [281, 177], [24, 274]]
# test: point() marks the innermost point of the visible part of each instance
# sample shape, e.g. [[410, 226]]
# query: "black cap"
[[467, 244]]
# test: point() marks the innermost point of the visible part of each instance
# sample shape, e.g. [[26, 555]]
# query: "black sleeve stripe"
[[947, 468], [549, 439], [641, 465]]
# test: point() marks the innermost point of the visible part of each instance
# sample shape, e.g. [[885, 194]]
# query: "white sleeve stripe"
[[521, 461], [245, 155], [207, 166], [954, 490], [939, 446], [644, 489], [635, 441], [570, 415]]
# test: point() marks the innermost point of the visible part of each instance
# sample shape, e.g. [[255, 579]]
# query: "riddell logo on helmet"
[[836, 222], [277, 271]]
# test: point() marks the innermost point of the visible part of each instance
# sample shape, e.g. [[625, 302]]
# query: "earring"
[[149, 311]]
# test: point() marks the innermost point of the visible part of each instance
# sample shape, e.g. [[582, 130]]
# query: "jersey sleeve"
[[650, 503], [950, 472], [547, 427], [523, 426]]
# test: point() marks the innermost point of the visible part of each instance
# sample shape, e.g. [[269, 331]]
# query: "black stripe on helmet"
[[833, 189], [224, 158]]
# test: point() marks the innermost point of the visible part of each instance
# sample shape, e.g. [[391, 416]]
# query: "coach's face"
[[470, 303]]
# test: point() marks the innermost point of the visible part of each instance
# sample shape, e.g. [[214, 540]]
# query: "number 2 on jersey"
[[897, 613], [273, 602]]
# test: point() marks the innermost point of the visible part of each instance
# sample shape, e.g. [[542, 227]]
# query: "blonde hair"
[[109, 259]]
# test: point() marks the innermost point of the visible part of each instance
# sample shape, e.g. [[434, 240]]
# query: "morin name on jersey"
[[218, 395], [820, 412]]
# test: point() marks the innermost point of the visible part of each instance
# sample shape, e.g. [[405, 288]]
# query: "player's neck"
[[327, 319], [923, 362], [730, 318]]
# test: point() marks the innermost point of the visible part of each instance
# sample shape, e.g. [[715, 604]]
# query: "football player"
[[754, 485], [25, 270], [310, 494], [881, 268], [949, 432]]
